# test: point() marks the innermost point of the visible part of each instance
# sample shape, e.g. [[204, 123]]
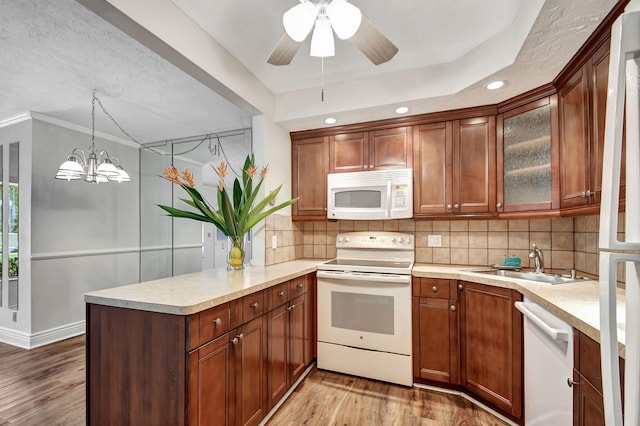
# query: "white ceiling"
[[55, 53]]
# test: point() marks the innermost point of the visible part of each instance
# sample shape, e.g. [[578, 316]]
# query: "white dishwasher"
[[548, 363]]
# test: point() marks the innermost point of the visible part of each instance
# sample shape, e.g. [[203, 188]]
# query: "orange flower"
[[188, 178], [251, 171], [172, 174], [264, 171], [221, 171]]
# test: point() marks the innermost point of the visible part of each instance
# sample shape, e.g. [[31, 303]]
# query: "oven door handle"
[[363, 276]]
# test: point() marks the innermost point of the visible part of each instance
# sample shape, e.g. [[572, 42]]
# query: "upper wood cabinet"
[[310, 166], [455, 169], [527, 157], [581, 104], [371, 150]]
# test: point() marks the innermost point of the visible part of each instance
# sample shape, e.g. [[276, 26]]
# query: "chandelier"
[[94, 167]]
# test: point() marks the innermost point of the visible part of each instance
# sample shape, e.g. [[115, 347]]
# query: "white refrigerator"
[[622, 98]]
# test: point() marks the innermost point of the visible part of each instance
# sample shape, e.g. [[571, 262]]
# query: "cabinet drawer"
[[279, 294], [214, 322], [298, 286], [252, 306], [433, 288]]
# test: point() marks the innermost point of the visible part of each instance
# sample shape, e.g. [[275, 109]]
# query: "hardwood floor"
[[45, 386], [326, 398]]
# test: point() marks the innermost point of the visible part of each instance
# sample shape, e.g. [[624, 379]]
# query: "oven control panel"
[[381, 240]]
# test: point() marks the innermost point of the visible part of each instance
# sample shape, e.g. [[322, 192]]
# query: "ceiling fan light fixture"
[[322, 44], [299, 20], [345, 18]]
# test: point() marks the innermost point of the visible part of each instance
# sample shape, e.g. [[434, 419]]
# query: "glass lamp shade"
[[322, 39], [107, 169], [65, 175], [122, 176], [345, 18], [71, 166], [299, 20]]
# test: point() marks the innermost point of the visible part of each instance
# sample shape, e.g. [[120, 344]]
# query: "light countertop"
[[195, 292], [578, 303], [575, 303]]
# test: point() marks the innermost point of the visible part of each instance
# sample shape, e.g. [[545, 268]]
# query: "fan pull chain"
[[322, 80]]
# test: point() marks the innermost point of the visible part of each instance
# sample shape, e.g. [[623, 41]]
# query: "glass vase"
[[236, 253]]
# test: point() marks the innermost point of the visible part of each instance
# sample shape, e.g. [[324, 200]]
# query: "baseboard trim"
[[41, 338]]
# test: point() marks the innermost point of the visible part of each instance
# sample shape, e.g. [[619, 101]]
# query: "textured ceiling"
[[54, 53]]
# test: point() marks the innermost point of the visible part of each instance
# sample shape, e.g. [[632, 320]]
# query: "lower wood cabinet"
[[588, 405], [491, 341], [227, 365], [470, 335], [290, 333], [435, 330]]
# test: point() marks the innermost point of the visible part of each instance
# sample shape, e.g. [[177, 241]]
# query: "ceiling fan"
[[326, 17]]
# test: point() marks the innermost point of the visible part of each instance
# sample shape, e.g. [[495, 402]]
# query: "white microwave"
[[379, 194]]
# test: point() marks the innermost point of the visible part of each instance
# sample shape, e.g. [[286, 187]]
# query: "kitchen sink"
[[531, 276]]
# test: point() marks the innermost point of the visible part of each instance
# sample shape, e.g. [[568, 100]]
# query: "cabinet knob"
[[255, 305], [281, 294], [499, 205], [456, 206], [325, 209], [460, 287], [217, 321], [588, 193], [449, 206], [236, 339], [452, 307], [571, 383], [366, 167], [434, 289], [371, 166], [290, 308], [300, 285]]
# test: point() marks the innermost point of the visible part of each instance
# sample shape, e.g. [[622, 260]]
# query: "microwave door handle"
[[388, 199]]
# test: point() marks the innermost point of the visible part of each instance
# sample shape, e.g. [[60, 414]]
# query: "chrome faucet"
[[538, 257]]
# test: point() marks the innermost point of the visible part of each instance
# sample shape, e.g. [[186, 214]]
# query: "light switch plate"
[[435, 241], [274, 241]]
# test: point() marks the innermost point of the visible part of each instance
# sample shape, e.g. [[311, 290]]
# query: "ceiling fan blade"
[[373, 43], [284, 51]]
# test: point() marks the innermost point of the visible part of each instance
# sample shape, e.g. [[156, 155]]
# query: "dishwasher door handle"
[[553, 332]]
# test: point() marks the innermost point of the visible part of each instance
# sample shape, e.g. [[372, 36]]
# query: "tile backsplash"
[[567, 242]]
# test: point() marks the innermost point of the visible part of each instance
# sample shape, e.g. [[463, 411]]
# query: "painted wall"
[[84, 236]]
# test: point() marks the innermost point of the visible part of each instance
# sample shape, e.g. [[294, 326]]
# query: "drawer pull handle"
[[281, 294], [434, 289], [254, 306], [300, 285], [452, 307], [217, 321], [460, 287]]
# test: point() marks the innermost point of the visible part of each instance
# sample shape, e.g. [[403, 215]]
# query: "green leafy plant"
[[237, 211]]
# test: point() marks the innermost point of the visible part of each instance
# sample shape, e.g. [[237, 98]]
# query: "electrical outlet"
[[274, 241], [435, 241]]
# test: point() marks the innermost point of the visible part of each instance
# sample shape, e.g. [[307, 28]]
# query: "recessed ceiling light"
[[330, 120], [495, 85], [402, 110]]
